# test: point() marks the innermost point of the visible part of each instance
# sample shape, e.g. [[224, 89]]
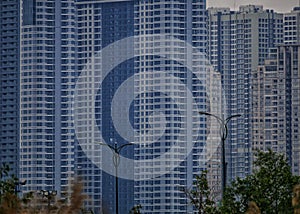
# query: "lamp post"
[[223, 134], [116, 161]]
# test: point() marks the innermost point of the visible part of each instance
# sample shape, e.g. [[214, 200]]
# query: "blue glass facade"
[[47, 77], [117, 24], [101, 24], [47, 72], [9, 83], [46, 45], [170, 89]]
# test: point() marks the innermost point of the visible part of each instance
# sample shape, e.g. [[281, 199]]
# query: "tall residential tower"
[[47, 78], [9, 83], [275, 96], [239, 41], [100, 25], [170, 90], [59, 42]]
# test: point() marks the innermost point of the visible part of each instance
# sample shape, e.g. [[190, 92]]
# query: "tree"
[[270, 186], [9, 201], [7, 184], [71, 203], [34, 203], [200, 195]]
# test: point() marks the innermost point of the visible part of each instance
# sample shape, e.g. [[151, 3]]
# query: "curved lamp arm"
[[222, 122]]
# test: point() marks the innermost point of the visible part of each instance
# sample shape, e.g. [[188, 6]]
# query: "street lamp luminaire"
[[18, 184], [49, 195], [223, 134], [116, 161]]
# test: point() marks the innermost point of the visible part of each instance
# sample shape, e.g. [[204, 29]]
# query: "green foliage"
[[200, 195], [11, 203], [7, 184], [270, 187], [9, 200]]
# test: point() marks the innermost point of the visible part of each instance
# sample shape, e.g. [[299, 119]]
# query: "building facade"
[[170, 90], [276, 104], [239, 41], [47, 77], [275, 96], [289, 59], [101, 24], [213, 145], [291, 26], [58, 40], [9, 84], [289, 74], [265, 106]]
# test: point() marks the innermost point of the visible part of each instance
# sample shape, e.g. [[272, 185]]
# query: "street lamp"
[[18, 184], [223, 134], [48, 194], [116, 161]]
